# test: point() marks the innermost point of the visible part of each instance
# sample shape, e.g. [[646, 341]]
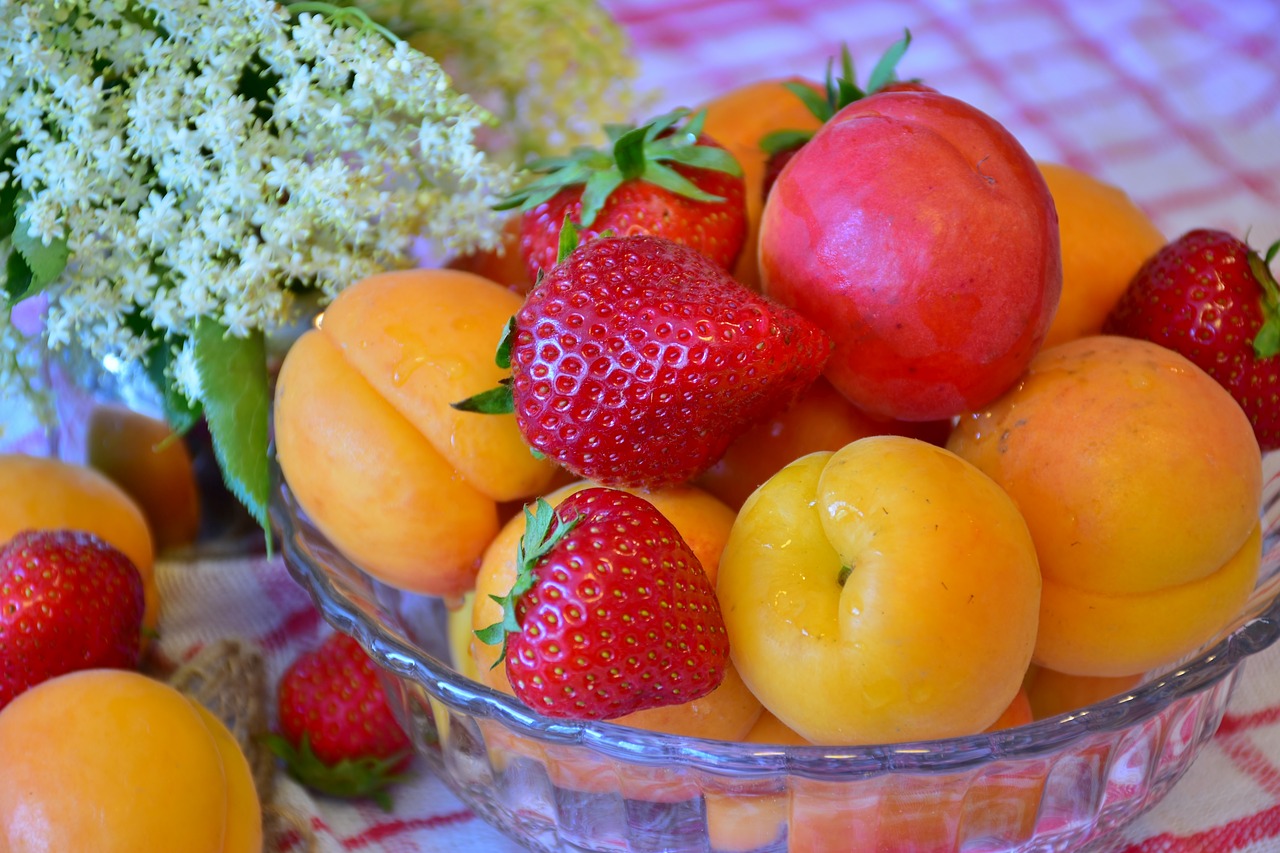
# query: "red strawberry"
[[782, 145], [1210, 297], [338, 734], [68, 601], [658, 178], [610, 613], [636, 362]]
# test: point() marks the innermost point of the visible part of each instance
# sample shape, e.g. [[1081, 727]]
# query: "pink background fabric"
[[1177, 102]]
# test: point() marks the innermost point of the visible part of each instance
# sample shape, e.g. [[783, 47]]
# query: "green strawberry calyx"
[[838, 93], [544, 529], [499, 400], [351, 778], [643, 152], [1267, 342]]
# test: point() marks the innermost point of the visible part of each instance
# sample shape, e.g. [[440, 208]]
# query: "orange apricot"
[[1140, 481], [403, 483], [822, 419], [110, 760], [38, 493], [1051, 693], [1105, 238], [142, 456], [738, 120]]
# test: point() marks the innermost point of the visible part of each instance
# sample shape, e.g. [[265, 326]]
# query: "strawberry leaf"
[[570, 236], [599, 187], [784, 140], [1267, 342], [817, 104], [543, 531], [236, 399], [673, 181], [350, 778], [883, 74], [643, 153], [495, 401], [502, 357]]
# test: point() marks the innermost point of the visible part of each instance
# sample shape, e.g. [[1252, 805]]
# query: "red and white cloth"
[[1177, 102]]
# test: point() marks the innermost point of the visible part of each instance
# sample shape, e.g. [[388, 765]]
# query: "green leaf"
[[662, 123], [236, 398], [816, 104], [45, 262], [628, 152], [366, 777], [539, 540], [495, 401], [784, 140], [883, 73], [502, 357], [1267, 342], [599, 187], [673, 181], [180, 413], [17, 277], [702, 157], [570, 235]]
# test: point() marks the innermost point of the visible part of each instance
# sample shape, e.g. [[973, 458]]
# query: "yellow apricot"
[[38, 493], [370, 481], [110, 761]]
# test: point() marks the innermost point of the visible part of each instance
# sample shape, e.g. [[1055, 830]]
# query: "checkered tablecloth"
[[1176, 102]]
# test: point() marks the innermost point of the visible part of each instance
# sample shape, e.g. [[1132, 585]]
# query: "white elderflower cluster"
[[209, 158]]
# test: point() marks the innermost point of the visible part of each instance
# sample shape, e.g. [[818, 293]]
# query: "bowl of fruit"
[[852, 550]]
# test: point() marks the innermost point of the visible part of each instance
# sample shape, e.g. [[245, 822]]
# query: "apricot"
[[738, 119], [404, 484], [1140, 481], [143, 457], [1051, 693], [110, 760], [821, 419], [1105, 238], [39, 493], [882, 593]]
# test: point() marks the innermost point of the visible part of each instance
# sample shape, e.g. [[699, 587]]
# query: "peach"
[[399, 480], [918, 233], [1140, 481], [38, 493], [882, 593]]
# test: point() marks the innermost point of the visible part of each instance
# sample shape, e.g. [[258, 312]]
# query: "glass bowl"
[[1066, 783]]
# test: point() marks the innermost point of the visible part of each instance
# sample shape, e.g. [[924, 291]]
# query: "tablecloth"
[[1176, 102]]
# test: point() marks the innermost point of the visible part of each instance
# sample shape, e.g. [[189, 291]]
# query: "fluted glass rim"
[[1255, 629]]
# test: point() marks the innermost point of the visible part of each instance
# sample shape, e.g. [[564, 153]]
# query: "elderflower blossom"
[[206, 158], [554, 72]]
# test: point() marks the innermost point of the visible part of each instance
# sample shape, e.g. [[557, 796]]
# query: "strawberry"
[[839, 92], [636, 361], [610, 613], [68, 601], [337, 733], [1210, 297], [659, 178]]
